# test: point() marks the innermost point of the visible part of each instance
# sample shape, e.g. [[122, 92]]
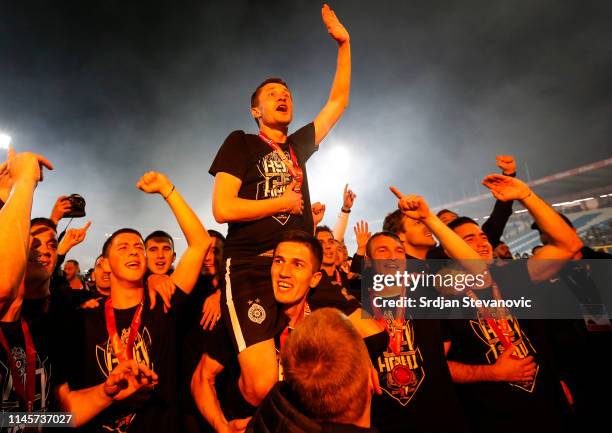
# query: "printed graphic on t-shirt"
[[107, 361], [402, 373], [10, 400], [275, 177], [512, 330]]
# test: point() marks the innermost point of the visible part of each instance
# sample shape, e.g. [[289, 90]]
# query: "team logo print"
[[256, 312], [276, 177], [401, 374], [107, 361], [512, 330]]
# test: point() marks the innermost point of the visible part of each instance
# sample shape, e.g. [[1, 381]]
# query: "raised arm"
[[228, 207], [21, 173], [564, 242], [348, 198], [340, 90], [198, 240], [494, 226], [415, 207]]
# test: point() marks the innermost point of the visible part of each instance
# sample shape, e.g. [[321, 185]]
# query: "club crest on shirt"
[[10, 400], [257, 313], [107, 360], [401, 374], [510, 327], [275, 177]]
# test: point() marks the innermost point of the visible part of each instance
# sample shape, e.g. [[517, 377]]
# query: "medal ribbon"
[[24, 391], [292, 165], [122, 353]]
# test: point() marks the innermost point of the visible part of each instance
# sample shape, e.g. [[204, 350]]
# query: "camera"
[[77, 206]]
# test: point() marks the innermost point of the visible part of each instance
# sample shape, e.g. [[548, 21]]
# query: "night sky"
[[110, 89]]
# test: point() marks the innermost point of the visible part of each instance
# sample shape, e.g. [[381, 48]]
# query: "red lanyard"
[[292, 166], [24, 391], [394, 329], [492, 322], [122, 353]]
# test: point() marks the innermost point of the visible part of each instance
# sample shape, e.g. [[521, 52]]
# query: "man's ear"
[[314, 280], [105, 265], [173, 257], [256, 113]]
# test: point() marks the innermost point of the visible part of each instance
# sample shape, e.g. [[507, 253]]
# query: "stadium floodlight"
[[5, 141]]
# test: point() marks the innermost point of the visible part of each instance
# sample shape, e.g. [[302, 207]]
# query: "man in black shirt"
[[120, 358], [505, 364], [261, 190], [27, 260]]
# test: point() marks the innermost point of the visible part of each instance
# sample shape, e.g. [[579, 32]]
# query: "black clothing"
[[263, 176], [279, 414]]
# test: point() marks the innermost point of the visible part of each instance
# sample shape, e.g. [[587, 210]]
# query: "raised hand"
[[162, 285], [318, 211], [22, 166], [72, 238], [508, 368], [211, 311], [128, 378], [334, 26], [506, 188], [362, 235], [153, 182], [61, 207], [506, 164], [413, 206], [293, 202], [348, 198]]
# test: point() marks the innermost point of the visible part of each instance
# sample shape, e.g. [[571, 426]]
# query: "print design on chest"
[[43, 374], [511, 328], [107, 360], [401, 374], [276, 177]]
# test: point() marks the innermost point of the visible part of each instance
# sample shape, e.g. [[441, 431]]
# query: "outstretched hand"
[[72, 238], [413, 206], [506, 188], [334, 26], [154, 182]]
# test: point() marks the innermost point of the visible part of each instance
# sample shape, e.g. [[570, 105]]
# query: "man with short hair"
[[72, 272], [120, 368], [504, 364], [329, 380], [261, 190], [160, 252]]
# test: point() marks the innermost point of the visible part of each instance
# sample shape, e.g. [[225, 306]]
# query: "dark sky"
[[110, 89]]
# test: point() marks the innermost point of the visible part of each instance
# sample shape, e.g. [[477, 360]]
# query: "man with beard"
[[120, 367], [261, 190], [72, 272], [504, 364]]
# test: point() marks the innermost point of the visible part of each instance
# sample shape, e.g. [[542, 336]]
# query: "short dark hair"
[[255, 95], [73, 261], [301, 237], [460, 221], [394, 222], [40, 221], [441, 211], [321, 229], [216, 234], [160, 234], [108, 241], [379, 234]]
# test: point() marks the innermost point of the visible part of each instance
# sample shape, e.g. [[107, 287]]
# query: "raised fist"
[[318, 211], [506, 164], [153, 182]]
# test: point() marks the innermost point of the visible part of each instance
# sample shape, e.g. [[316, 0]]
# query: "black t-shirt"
[[522, 406], [89, 359], [45, 376], [418, 393], [335, 292], [263, 176]]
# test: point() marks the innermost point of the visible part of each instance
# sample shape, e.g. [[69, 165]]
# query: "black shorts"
[[250, 312]]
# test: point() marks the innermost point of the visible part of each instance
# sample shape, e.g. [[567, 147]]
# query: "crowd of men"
[[265, 329]]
